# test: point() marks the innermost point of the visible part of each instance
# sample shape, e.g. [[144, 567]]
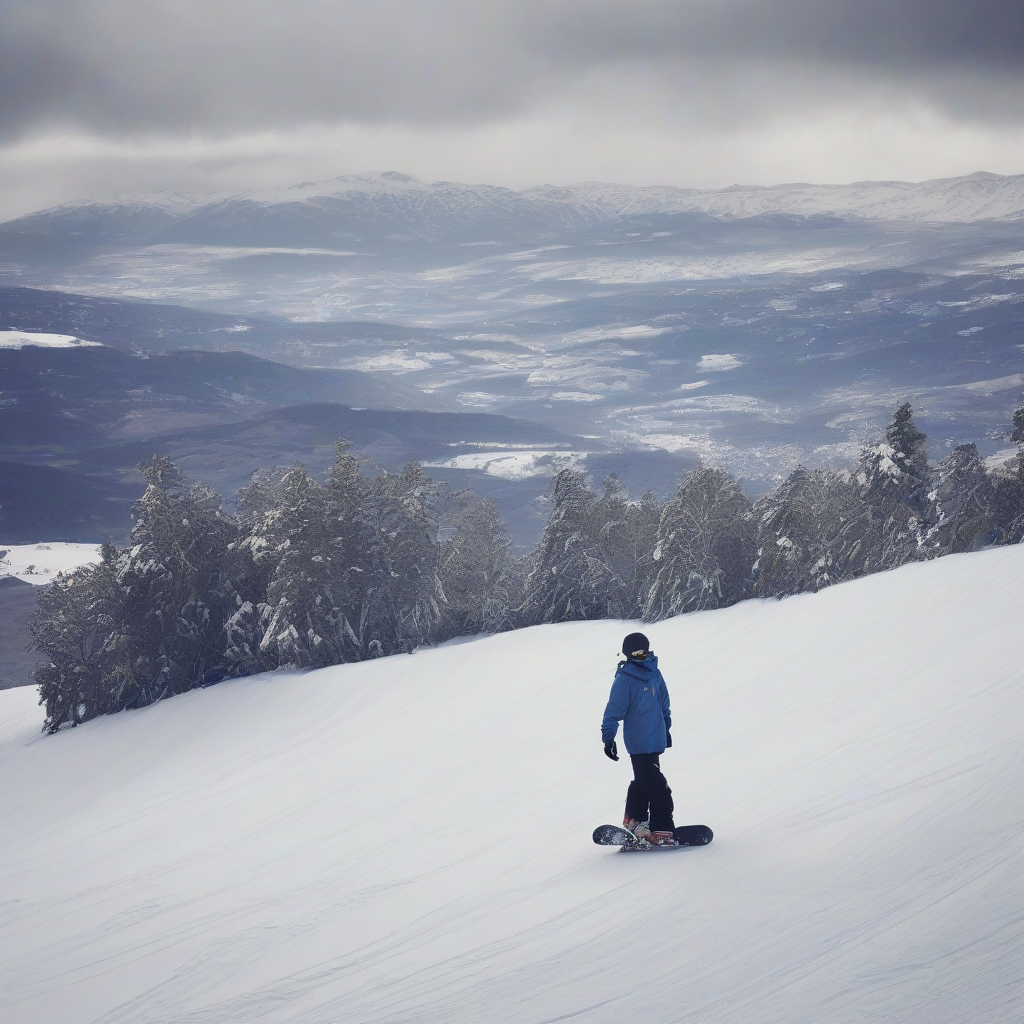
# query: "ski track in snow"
[[409, 839]]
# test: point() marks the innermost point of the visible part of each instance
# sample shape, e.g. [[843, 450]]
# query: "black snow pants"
[[649, 794]]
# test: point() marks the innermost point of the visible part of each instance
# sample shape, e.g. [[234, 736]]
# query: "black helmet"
[[637, 646]]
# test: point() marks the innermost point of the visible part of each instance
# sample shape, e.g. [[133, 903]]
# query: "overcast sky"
[[100, 96]]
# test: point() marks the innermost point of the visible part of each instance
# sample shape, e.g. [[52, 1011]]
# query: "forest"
[[308, 573]]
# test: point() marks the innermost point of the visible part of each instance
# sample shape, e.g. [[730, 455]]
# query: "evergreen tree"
[[908, 444], [897, 468], [299, 559], [815, 530], [176, 598], [73, 626], [1008, 490], [625, 532], [570, 578], [895, 480], [313, 574], [704, 551], [788, 536], [402, 596], [1017, 437], [307, 594], [642, 537], [961, 504], [480, 579]]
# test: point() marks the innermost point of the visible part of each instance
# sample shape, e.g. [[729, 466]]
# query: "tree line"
[[310, 573]]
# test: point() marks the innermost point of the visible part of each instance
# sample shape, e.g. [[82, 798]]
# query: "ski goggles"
[[640, 655]]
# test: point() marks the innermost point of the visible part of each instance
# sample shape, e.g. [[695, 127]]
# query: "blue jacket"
[[640, 699]]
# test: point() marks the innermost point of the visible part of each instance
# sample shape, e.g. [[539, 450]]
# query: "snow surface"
[[718, 361], [39, 563], [517, 465], [20, 339], [408, 840]]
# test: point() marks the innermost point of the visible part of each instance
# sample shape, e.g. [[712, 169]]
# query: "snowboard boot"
[[638, 829], [662, 839]]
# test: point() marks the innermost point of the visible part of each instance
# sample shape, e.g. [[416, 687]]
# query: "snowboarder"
[[639, 699]]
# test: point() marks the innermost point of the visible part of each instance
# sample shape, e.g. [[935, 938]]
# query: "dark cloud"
[[123, 67], [894, 35]]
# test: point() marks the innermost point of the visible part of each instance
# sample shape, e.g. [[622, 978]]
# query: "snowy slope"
[[40, 563], [39, 339], [409, 839]]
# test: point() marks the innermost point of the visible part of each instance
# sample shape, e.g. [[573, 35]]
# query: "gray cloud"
[[123, 68], [881, 34]]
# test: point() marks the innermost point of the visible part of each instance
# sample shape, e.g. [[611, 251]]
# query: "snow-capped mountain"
[[408, 839], [758, 327], [389, 207], [394, 206], [975, 197]]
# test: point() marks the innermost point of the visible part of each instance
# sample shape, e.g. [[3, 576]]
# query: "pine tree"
[[73, 626], [306, 594], [176, 598], [299, 554], [1008, 490], [570, 578], [625, 532], [478, 574], [895, 480], [897, 468], [704, 552], [402, 596], [908, 444], [961, 511], [1017, 437], [816, 529], [643, 538]]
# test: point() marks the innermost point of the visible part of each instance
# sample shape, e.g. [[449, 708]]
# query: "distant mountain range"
[[395, 207], [636, 328]]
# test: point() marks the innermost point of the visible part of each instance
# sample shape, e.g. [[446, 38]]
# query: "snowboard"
[[686, 835]]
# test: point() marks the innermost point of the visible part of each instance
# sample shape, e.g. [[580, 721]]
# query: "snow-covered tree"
[[570, 578], [481, 580], [1008, 490], [895, 480], [73, 626], [704, 550], [402, 594], [810, 533], [363, 566], [311, 574], [625, 532], [299, 563], [1017, 430], [961, 514], [175, 595], [147, 621], [306, 595]]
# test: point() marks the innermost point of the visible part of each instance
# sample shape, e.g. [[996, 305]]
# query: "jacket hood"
[[641, 668]]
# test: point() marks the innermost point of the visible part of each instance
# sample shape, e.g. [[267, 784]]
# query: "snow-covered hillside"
[[409, 839], [20, 339], [396, 206], [974, 197], [40, 563]]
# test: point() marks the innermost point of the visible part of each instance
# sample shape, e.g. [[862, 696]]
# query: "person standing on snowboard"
[[639, 699]]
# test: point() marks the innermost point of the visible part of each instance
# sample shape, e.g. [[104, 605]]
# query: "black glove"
[[668, 739], [611, 750]]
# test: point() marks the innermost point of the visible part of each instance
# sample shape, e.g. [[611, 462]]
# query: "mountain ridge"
[[397, 207]]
